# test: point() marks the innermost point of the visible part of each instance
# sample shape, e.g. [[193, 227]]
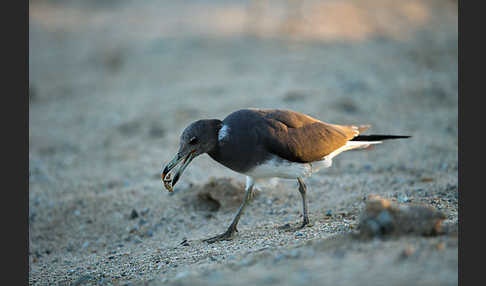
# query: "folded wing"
[[300, 138]]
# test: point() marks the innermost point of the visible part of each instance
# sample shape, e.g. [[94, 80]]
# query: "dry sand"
[[113, 85]]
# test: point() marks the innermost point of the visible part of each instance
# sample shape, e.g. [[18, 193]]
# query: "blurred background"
[[112, 84]]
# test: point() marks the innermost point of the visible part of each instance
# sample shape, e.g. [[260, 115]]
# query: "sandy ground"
[[113, 84]]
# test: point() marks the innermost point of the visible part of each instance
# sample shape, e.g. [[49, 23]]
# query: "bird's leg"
[[302, 190], [230, 232]]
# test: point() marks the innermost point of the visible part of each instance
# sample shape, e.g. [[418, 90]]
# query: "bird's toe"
[[228, 235]]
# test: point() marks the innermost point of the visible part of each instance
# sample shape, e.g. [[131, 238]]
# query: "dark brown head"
[[198, 138]]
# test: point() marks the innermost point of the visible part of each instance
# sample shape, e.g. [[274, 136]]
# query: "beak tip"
[[165, 175]]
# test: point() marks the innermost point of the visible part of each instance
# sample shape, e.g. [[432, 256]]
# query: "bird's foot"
[[289, 228], [227, 235], [305, 223], [286, 226]]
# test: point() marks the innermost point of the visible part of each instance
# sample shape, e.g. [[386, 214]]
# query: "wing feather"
[[300, 138]]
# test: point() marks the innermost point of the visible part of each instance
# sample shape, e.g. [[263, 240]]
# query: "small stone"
[[407, 252], [133, 214], [380, 217], [426, 179], [402, 198], [284, 227], [385, 220], [185, 243]]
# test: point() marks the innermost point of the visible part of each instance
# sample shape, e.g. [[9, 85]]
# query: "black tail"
[[377, 137]]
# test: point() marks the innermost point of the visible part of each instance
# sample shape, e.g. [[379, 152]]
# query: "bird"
[[267, 143]]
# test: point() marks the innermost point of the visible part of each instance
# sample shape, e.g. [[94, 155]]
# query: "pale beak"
[[169, 181]]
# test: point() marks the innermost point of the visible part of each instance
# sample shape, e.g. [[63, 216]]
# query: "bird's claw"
[[289, 228], [306, 222], [227, 235]]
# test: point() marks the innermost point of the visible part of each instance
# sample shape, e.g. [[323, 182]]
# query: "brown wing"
[[300, 138]]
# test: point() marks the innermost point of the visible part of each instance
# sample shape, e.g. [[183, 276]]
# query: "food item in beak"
[[166, 174], [167, 182]]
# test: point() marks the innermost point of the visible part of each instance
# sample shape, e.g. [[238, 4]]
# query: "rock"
[[380, 217], [184, 242], [402, 198], [133, 214], [222, 194], [284, 227], [146, 210], [149, 233], [407, 252]]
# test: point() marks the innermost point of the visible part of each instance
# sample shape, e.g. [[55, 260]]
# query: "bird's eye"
[[193, 140]]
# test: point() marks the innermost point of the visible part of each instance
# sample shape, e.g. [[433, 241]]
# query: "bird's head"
[[198, 138]]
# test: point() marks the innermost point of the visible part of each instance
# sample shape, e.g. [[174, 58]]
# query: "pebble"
[[133, 214], [367, 167], [402, 198], [384, 219], [146, 210]]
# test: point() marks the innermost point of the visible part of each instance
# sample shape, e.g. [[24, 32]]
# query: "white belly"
[[282, 168]]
